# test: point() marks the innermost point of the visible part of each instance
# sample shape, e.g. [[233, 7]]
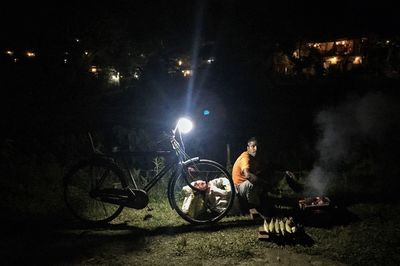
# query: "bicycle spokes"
[[81, 188], [203, 193]]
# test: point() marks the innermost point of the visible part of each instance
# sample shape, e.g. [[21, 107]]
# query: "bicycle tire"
[[77, 188], [212, 173]]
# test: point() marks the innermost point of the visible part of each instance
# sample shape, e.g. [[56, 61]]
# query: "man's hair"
[[251, 139]]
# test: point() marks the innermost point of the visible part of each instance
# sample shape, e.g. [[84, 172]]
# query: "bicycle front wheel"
[[86, 177], [208, 204]]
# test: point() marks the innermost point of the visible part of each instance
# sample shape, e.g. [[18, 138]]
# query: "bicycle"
[[97, 189]]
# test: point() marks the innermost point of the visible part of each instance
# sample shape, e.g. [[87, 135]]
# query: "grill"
[[314, 203]]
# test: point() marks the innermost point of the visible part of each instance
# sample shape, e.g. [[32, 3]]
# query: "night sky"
[[177, 19]]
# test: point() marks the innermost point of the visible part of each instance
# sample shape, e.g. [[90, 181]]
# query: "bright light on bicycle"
[[184, 125]]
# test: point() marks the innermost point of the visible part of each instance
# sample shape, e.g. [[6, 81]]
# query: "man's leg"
[[250, 192]]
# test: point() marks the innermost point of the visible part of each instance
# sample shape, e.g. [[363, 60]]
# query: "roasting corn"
[[288, 228], [292, 225], [271, 225], [266, 225], [282, 226], [277, 231]]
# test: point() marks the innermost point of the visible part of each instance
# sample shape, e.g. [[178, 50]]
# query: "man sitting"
[[249, 186]]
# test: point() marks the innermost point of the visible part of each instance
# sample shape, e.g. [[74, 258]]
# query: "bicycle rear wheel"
[[82, 180], [206, 205]]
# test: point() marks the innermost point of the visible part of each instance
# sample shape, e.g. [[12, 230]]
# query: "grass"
[[154, 235], [372, 239]]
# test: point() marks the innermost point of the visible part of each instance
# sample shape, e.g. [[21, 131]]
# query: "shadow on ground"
[[55, 242]]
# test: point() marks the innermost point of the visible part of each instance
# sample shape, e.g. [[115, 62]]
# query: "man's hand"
[[293, 182], [253, 178]]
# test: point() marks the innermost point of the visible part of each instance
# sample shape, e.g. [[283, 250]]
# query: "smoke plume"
[[369, 120]]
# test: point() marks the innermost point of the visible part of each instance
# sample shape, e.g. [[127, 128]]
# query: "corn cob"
[[292, 225], [271, 225], [266, 226], [282, 226], [294, 229], [277, 226], [287, 226]]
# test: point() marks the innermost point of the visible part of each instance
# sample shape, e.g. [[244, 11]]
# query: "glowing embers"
[[314, 202]]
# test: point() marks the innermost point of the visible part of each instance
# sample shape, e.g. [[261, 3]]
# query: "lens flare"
[[184, 125]]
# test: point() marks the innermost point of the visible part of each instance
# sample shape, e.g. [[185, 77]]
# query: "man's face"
[[252, 148]]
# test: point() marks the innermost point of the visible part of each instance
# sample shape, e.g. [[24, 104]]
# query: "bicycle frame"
[[179, 157], [121, 190], [147, 187]]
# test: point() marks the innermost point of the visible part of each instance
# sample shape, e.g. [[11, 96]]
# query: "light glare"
[[184, 125]]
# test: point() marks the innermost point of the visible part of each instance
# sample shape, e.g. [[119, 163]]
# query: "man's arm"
[[252, 177]]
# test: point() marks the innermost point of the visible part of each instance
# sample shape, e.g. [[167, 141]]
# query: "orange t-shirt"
[[241, 163]]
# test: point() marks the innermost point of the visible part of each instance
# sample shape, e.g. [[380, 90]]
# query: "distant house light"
[[115, 77], [357, 60], [340, 42], [333, 60], [30, 54], [210, 60], [9, 52], [180, 62], [187, 72], [93, 69], [77, 40], [15, 60], [65, 60], [86, 52]]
